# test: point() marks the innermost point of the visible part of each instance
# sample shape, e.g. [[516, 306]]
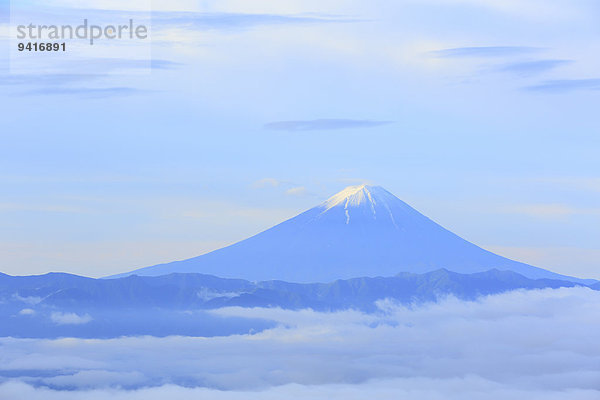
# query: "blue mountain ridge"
[[180, 304]]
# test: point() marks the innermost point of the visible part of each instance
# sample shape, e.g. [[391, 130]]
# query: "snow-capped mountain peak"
[[352, 196], [361, 231], [369, 201]]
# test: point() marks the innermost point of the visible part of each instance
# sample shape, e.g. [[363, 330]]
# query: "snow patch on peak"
[[372, 198], [352, 196]]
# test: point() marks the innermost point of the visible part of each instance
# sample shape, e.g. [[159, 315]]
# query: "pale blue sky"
[[481, 114]]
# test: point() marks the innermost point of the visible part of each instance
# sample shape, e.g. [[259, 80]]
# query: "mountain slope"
[[361, 231]]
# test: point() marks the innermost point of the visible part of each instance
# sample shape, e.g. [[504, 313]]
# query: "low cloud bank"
[[523, 344], [61, 318], [472, 388]]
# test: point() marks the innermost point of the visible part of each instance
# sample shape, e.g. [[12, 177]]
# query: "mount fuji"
[[361, 231]]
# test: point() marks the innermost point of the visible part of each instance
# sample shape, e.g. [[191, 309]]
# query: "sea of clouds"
[[540, 344]]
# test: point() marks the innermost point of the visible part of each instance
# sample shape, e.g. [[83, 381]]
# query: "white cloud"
[[61, 318], [542, 210], [131, 5], [573, 182], [523, 344], [31, 300], [96, 379], [533, 9], [470, 387], [27, 311], [266, 182], [296, 191], [549, 210], [11, 207]]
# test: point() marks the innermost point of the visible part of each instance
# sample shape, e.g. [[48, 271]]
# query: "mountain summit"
[[361, 231]]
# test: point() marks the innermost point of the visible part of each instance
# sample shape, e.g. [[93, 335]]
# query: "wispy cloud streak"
[[324, 124], [227, 21], [485, 51], [530, 68], [92, 93], [565, 85]]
